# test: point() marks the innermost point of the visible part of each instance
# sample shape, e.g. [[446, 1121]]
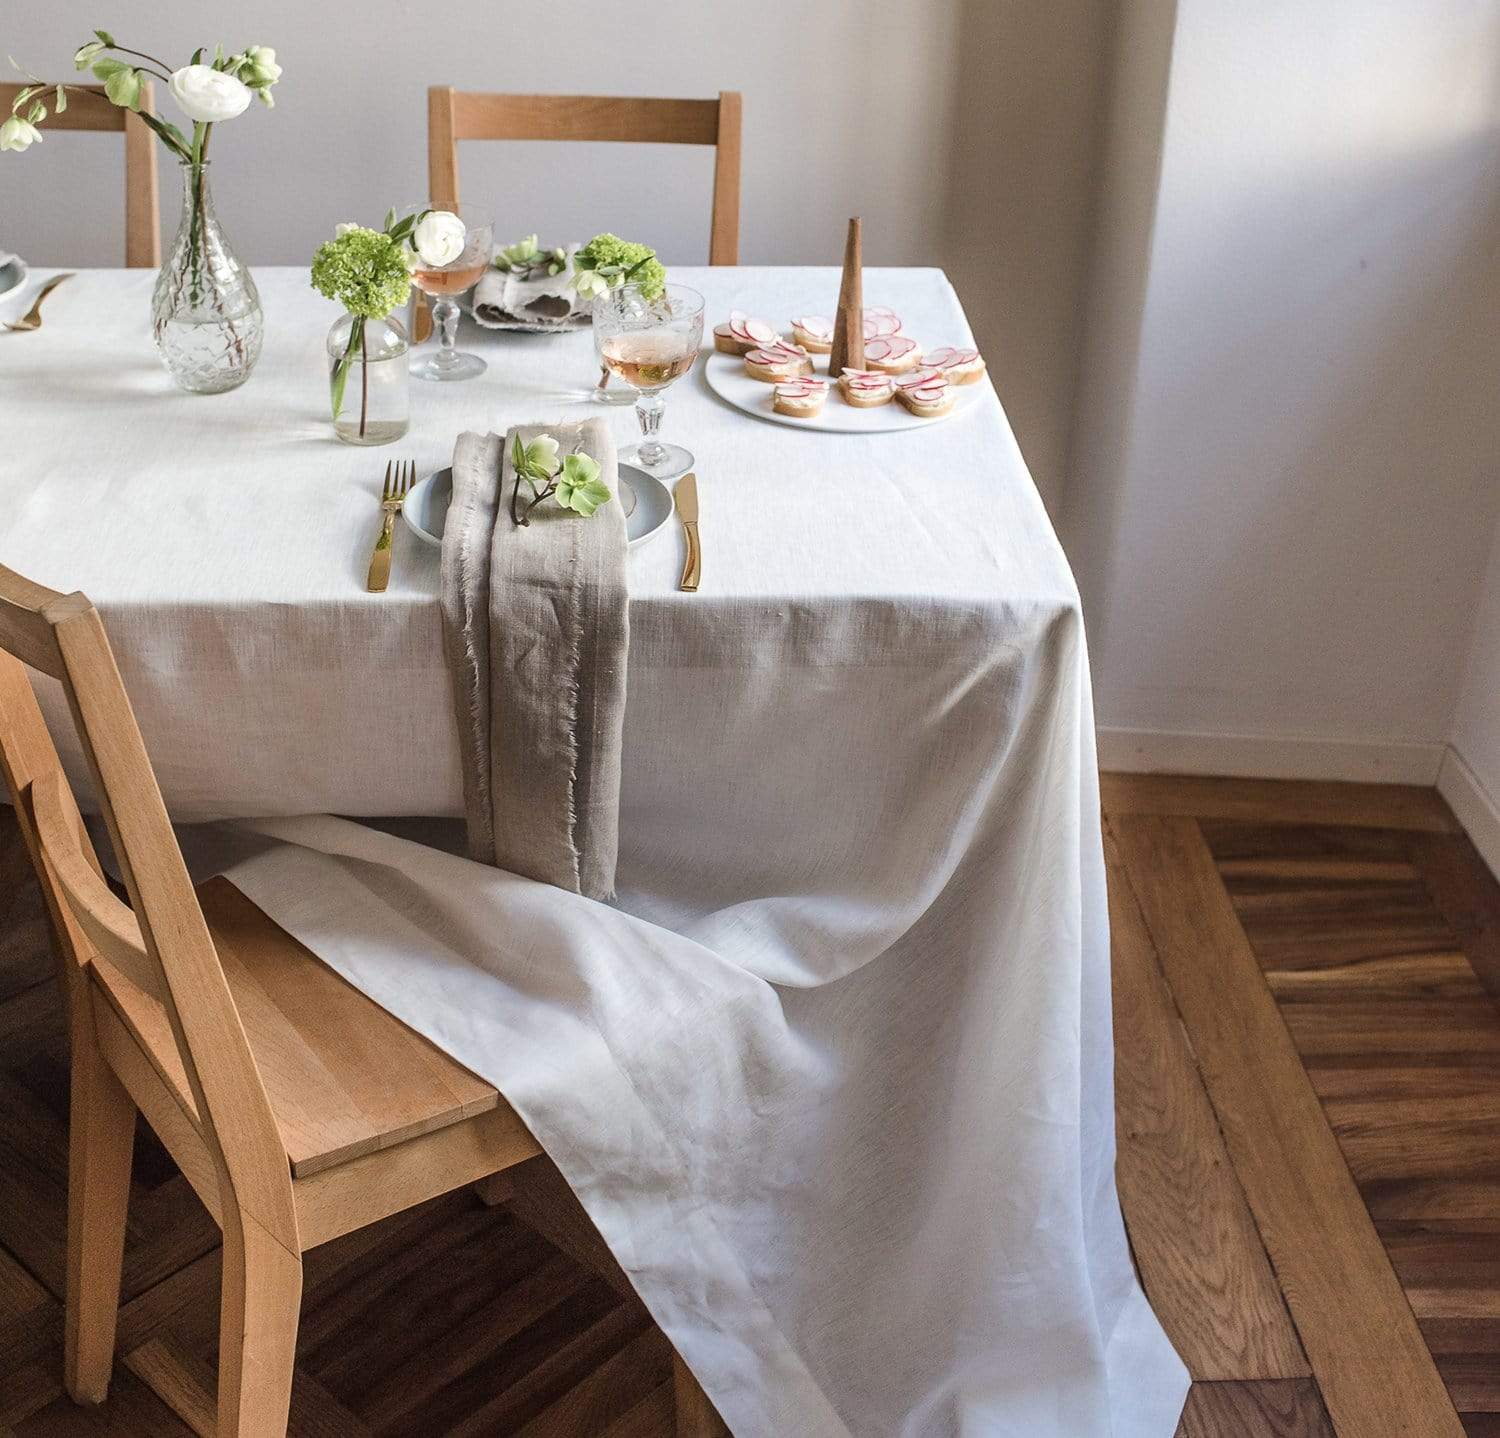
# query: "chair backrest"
[[454, 115], [161, 943], [90, 109]]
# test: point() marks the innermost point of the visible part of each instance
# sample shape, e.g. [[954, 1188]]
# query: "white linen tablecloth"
[[852, 1025]]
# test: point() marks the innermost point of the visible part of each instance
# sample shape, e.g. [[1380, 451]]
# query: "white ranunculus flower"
[[207, 95], [439, 239], [18, 134]]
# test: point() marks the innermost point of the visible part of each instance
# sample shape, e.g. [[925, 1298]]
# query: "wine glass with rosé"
[[454, 248], [649, 341]]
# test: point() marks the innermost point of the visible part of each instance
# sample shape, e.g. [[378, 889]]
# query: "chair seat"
[[343, 1076]]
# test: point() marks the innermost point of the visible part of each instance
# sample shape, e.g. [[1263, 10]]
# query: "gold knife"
[[687, 509]]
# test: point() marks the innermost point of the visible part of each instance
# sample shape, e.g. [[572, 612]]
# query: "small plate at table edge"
[[18, 265], [651, 496]]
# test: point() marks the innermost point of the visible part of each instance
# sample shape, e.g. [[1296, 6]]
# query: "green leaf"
[[124, 88], [22, 98], [105, 38], [107, 65], [518, 456], [168, 134], [390, 219], [340, 376], [62, 100], [197, 56]]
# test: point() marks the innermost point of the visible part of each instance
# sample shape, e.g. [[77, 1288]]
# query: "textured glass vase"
[[205, 312]]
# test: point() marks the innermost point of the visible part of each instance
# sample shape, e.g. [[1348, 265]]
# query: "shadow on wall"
[[1028, 103]]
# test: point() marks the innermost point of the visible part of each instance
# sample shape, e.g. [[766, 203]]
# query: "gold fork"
[[32, 319], [400, 475]]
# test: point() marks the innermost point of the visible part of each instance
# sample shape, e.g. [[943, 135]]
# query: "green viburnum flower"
[[617, 262], [579, 487], [364, 270]]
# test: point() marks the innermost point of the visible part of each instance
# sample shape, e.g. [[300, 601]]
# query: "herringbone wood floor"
[[1378, 935]]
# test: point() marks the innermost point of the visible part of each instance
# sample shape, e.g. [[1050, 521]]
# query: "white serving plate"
[[727, 378], [647, 501], [12, 275]]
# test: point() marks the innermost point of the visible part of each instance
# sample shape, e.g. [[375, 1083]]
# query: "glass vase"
[[205, 311], [369, 388]]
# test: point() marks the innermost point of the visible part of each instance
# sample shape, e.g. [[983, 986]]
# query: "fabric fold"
[[536, 635]]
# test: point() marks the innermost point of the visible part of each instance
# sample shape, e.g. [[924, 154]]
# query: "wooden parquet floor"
[[1309, 1103]]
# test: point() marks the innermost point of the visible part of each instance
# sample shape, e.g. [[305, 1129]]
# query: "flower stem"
[[364, 380]]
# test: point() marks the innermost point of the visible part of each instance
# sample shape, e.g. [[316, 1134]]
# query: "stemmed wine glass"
[[443, 283], [649, 341]]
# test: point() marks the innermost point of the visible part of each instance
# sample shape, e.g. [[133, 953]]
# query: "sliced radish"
[[818, 326], [947, 357], [760, 332], [885, 348]]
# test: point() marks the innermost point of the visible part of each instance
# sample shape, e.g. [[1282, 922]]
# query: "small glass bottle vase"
[[205, 311], [368, 385]]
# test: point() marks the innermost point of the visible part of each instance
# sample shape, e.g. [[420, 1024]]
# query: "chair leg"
[[258, 1331], [696, 1416], [101, 1134]]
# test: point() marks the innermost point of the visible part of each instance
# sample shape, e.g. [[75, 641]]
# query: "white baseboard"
[[1473, 805], [1250, 756]]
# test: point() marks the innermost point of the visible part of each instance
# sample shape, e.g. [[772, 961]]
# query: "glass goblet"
[[649, 341], [444, 283]]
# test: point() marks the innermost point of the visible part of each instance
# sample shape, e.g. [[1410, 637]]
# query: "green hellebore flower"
[[579, 487], [85, 55], [18, 134]]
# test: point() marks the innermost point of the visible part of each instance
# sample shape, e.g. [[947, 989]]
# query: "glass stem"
[[445, 316], [649, 409]]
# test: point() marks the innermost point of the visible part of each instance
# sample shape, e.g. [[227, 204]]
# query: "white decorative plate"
[[647, 501], [12, 274], [727, 378]]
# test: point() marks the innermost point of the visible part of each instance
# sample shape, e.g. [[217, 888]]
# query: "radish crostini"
[[962, 366], [777, 361], [802, 398], [814, 333], [743, 334], [892, 354], [927, 394], [866, 388]]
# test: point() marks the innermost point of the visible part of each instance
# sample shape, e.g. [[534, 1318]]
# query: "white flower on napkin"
[[18, 134], [439, 239], [207, 95], [590, 284]]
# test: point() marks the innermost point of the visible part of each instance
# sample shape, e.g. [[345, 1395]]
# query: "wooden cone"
[[849, 324]]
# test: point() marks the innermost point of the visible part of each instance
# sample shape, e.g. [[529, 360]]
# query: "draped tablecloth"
[[859, 782]]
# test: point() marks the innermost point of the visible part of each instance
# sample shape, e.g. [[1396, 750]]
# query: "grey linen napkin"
[[507, 301], [536, 630]]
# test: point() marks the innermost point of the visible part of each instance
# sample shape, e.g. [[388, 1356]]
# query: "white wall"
[[1282, 500], [846, 112], [1028, 86], [1471, 773]]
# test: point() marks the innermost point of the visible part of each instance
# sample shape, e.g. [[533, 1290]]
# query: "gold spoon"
[[32, 319]]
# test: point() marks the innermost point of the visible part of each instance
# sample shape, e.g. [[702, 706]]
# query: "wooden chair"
[[454, 115], [89, 109], [297, 1108]]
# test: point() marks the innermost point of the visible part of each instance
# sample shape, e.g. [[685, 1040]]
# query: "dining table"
[[858, 773]]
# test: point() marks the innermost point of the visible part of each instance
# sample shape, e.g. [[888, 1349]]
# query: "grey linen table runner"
[[536, 629]]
